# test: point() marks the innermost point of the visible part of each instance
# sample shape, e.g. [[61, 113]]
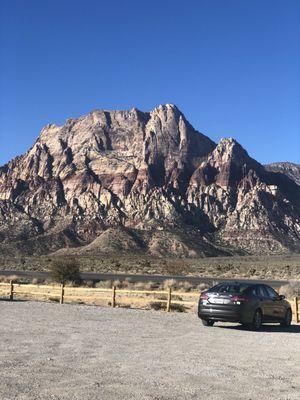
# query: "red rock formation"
[[145, 171]]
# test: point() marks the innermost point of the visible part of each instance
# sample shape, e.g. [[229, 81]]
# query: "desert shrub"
[[202, 286], [186, 286], [127, 283], [157, 305], [151, 285], [118, 284], [178, 307], [104, 284], [170, 283], [89, 283], [290, 290], [55, 299], [65, 270], [139, 286], [36, 281]]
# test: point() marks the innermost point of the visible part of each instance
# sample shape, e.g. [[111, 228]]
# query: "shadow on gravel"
[[266, 328], [14, 301]]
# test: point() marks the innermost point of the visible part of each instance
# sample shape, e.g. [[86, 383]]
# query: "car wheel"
[[257, 320], [288, 318], [207, 322]]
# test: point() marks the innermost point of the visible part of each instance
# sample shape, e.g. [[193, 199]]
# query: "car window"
[[231, 288], [271, 292], [261, 292], [215, 288], [251, 291]]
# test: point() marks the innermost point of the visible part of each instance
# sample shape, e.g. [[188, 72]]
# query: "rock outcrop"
[[150, 178]]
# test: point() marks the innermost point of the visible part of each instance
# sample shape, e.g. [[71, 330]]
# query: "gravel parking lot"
[[48, 351]]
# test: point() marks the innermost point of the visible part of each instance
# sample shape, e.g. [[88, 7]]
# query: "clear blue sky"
[[232, 67]]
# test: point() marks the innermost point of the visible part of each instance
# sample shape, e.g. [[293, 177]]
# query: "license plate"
[[219, 301]]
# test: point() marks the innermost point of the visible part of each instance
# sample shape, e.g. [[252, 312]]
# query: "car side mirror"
[[281, 297]]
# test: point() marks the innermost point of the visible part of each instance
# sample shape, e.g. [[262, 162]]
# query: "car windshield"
[[230, 288]]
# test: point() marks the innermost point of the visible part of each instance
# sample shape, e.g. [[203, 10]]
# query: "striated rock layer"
[[135, 181]]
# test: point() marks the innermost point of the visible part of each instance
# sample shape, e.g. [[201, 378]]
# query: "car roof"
[[240, 283]]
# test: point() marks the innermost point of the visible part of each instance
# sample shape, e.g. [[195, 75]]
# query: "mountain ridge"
[[292, 170], [151, 174]]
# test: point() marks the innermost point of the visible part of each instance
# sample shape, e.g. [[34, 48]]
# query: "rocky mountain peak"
[[229, 149], [145, 172]]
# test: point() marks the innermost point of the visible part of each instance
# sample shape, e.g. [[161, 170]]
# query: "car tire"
[[207, 322], [257, 321], [288, 318]]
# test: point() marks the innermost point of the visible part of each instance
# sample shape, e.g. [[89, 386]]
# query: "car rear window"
[[230, 288]]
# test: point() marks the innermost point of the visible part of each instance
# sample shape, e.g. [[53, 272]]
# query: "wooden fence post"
[[113, 303], [296, 309], [11, 291], [62, 292], [169, 299]]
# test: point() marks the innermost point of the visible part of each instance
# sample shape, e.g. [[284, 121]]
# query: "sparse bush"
[[290, 290], [178, 307], [35, 281], [65, 270], [104, 284], [157, 305], [72, 283], [118, 284], [54, 299], [127, 283], [151, 285], [170, 283], [202, 286], [186, 286], [89, 284], [140, 286]]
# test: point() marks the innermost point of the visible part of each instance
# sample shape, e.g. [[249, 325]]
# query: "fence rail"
[[112, 297]]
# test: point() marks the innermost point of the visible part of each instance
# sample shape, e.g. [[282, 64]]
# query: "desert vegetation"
[[64, 270], [282, 267]]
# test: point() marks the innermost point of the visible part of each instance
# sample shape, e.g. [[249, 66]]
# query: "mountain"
[[287, 168], [136, 182]]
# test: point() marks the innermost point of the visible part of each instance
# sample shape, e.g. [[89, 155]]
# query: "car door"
[[278, 309], [266, 304]]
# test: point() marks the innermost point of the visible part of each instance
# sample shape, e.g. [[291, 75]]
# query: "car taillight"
[[239, 299], [204, 296]]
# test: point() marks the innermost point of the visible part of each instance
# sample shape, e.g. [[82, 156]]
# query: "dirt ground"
[[49, 351]]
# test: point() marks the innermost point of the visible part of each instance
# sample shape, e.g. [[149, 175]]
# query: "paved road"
[[72, 352], [144, 278]]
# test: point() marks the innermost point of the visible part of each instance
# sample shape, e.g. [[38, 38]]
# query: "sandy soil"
[[48, 351]]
